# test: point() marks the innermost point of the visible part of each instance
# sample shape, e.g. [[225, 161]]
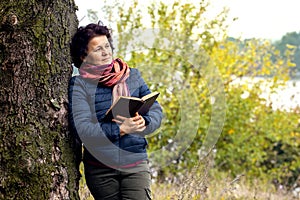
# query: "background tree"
[[173, 56], [291, 41], [37, 161], [186, 49]]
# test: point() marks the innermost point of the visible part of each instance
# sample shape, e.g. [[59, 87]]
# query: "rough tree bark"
[[37, 160]]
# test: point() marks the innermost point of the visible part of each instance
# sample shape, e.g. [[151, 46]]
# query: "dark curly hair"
[[80, 40]]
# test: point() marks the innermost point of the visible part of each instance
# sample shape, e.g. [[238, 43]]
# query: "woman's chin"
[[103, 63], [107, 62]]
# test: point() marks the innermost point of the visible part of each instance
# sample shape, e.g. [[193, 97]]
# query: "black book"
[[128, 106]]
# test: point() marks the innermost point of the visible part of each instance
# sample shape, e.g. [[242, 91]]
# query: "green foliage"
[[287, 42], [187, 57], [256, 139], [92, 15]]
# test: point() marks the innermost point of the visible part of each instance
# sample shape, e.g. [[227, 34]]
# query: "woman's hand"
[[130, 125]]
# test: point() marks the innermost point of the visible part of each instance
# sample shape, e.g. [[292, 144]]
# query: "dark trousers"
[[119, 184]]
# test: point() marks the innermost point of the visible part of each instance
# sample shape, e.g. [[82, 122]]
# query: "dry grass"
[[204, 183], [222, 190], [216, 190]]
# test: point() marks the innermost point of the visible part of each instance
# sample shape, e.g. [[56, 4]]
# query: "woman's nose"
[[104, 52]]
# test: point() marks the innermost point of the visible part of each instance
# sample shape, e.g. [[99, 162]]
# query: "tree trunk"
[[37, 160]]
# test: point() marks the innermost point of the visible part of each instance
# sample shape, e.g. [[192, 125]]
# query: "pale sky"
[[268, 19]]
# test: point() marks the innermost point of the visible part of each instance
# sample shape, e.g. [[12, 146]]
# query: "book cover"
[[128, 106]]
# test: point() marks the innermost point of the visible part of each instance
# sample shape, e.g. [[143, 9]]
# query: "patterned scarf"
[[112, 75]]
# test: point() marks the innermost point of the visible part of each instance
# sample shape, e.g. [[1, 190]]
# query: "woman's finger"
[[120, 118], [117, 121]]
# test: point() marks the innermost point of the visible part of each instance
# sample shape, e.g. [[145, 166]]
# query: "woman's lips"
[[106, 59]]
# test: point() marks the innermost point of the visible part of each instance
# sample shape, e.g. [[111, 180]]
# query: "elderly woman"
[[115, 157]]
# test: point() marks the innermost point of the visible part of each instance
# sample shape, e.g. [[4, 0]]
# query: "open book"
[[128, 106]]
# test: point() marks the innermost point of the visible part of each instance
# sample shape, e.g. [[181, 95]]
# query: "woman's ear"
[[83, 58]]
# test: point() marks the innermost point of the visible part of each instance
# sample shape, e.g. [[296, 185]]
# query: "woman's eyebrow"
[[104, 44]]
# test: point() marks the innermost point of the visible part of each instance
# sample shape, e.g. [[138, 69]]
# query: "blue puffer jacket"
[[88, 103]]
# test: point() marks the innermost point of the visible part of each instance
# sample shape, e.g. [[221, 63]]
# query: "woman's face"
[[99, 51]]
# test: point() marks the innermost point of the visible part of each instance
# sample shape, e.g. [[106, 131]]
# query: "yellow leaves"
[[296, 137], [290, 46], [265, 71], [295, 134], [291, 64], [251, 58], [231, 131]]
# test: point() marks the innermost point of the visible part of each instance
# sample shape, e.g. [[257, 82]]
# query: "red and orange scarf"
[[112, 75]]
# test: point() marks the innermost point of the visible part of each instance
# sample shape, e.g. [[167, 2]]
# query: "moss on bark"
[[37, 160]]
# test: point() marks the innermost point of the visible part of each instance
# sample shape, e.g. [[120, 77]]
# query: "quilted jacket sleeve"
[[83, 120]]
